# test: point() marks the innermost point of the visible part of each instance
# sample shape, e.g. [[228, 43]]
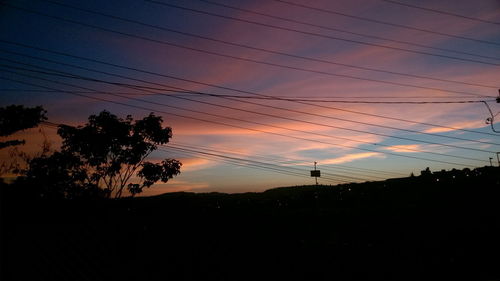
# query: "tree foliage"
[[14, 118], [58, 176], [104, 155]]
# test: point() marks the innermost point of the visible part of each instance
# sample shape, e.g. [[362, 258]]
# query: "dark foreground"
[[433, 227]]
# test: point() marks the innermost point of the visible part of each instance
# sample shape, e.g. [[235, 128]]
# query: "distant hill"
[[436, 226]]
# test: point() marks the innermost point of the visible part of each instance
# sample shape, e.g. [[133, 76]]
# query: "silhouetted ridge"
[[436, 226]]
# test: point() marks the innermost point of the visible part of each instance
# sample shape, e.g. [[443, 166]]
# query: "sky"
[[257, 91]]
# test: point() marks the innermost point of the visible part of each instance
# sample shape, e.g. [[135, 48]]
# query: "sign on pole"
[[316, 173]]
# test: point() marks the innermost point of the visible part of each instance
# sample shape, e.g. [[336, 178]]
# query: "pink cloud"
[[404, 148], [352, 157], [195, 164], [459, 125]]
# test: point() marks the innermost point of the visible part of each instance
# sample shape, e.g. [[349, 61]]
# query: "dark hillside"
[[437, 226]]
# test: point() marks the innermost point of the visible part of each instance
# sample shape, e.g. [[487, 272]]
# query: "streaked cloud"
[[352, 157], [461, 125], [405, 148]]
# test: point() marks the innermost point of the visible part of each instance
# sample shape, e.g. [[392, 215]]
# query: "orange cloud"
[[461, 125], [410, 148], [352, 157], [195, 164]]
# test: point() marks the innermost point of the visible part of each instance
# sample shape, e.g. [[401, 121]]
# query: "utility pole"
[[316, 178], [498, 159], [491, 163], [315, 173]]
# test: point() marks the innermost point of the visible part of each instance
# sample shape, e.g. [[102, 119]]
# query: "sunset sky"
[[257, 91]]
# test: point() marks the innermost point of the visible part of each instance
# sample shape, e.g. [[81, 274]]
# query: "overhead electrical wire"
[[268, 125], [240, 58], [321, 35], [263, 124], [336, 176], [302, 172], [181, 90], [217, 53], [280, 98], [271, 115], [296, 162], [440, 12], [258, 104], [274, 157], [69, 75], [171, 30], [215, 122], [364, 123], [330, 11], [353, 171], [242, 163], [90, 92], [337, 29], [238, 157], [223, 123], [266, 166], [275, 97], [238, 90], [239, 97]]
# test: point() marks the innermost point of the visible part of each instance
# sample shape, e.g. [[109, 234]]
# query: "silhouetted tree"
[[426, 173], [105, 154], [14, 118], [58, 176]]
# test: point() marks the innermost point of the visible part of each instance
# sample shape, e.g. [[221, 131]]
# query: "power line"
[[222, 123], [366, 123], [290, 171], [244, 163], [274, 157], [300, 175], [329, 11], [353, 121], [296, 111], [278, 127], [88, 92], [440, 12], [289, 119], [302, 172], [237, 90], [236, 163], [244, 160], [401, 119], [321, 35], [237, 57], [342, 30], [254, 112], [267, 50], [296, 162], [363, 102], [274, 97], [181, 90], [246, 97], [288, 160]]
